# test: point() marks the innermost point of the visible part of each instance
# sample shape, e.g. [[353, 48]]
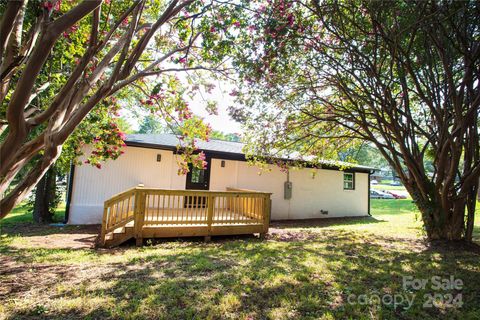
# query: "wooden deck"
[[158, 213]]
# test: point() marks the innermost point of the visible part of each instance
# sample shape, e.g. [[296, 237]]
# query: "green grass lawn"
[[20, 215], [388, 187], [327, 270]]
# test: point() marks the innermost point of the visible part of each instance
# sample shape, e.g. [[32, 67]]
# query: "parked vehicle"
[[374, 182], [376, 194], [395, 194]]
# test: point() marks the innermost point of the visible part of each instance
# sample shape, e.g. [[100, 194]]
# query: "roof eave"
[[238, 156]]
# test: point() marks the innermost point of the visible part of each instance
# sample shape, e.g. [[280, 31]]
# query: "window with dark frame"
[[348, 181], [198, 175]]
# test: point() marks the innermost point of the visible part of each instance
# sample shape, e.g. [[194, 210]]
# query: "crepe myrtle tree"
[[401, 75], [82, 54]]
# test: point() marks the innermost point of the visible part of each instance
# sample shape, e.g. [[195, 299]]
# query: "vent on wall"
[[159, 157], [222, 164]]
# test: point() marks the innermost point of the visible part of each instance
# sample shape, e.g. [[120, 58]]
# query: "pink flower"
[[57, 5], [121, 135], [74, 28], [98, 165], [48, 5], [212, 29], [182, 60], [237, 24], [290, 20]]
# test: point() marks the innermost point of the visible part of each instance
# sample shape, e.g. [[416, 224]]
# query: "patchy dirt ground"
[[53, 237], [85, 236]]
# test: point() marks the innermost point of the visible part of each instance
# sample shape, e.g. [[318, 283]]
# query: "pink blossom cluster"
[[52, 5], [72, 29]]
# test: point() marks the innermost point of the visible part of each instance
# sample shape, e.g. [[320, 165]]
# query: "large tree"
[[402, 75], [117, 44]]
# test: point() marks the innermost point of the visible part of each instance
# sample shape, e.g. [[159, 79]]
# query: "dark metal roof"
[[171, 141], [232, 149]]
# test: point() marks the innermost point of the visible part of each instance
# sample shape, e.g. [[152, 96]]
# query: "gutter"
[[71, 176]]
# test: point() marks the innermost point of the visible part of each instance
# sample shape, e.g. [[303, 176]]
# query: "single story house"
[[151, 160]]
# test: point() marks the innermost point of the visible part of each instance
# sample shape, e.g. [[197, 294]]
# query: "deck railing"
[[185, 210], [118, 211]]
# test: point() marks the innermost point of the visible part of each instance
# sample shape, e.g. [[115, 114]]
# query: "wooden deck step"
[[120, 235]]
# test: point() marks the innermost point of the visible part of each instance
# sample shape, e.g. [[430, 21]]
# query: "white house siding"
[[324, 191], [92, 186], [310, 193]]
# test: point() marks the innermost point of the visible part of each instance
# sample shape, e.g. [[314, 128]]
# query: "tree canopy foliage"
[[323, 76], [67, 66]]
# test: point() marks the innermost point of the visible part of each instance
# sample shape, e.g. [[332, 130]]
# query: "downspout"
[[71, 176], [369, 186]]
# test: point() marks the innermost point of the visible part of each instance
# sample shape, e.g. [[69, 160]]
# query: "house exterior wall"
[[310, 193], [92, 186]]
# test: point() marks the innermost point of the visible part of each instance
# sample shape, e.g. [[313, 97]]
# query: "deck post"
[[139, 212], [210, 206], [266, 215], [103, 233]]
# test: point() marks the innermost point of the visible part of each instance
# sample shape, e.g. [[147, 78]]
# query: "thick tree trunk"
[[29, 181], [41, 204], [447, 224], [45, 197], [471, 206], [68, 108]]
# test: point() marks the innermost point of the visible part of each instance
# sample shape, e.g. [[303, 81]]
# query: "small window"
[[348, 181], [198, 175]]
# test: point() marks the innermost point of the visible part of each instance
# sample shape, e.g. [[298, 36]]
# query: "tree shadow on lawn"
[[265, 279]]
